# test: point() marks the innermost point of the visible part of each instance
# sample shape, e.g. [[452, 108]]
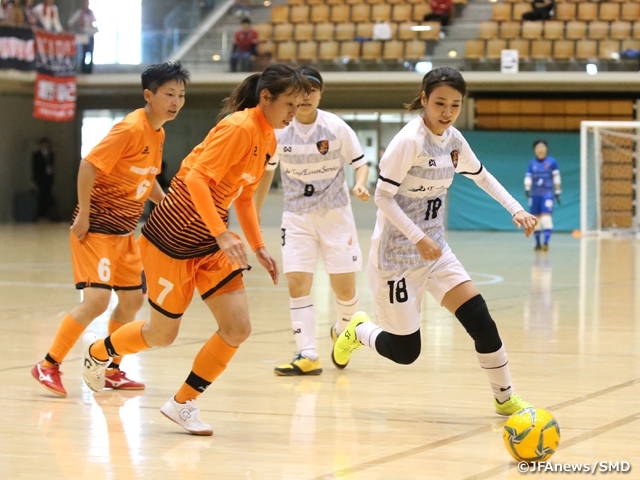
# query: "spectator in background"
[[42, 165], [244, 47], [382, 30], [542, 10], [29, 15], [5, 11], [83, 22], [47, 15], [15, 14], [440, 12]]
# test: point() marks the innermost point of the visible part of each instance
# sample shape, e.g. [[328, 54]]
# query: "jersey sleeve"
[[468, 163], [226, 146], [530, 168], [351, 148], [554, 165], [395, 163], [112, 148]]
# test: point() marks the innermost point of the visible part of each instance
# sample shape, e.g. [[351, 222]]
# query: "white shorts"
[[331, 231], [398, 294]]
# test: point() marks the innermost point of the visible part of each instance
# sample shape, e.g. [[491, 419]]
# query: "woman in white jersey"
[[313, 152], [409, 254]]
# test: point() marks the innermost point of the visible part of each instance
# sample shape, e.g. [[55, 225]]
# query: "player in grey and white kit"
[[314, 151], [409, 254]]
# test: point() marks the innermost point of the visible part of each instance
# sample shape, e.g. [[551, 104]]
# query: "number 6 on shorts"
[[168, 286]]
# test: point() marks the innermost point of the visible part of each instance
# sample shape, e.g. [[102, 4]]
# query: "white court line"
[[5, 283], [491, 278], [8, 283]]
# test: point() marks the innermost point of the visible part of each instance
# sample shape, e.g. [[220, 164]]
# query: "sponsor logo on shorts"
[[432, 162]]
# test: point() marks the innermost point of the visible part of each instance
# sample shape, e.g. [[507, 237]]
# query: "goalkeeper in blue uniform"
[[541, 185]]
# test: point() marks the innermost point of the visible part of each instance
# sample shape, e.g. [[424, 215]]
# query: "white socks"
[[496, 366], [346, 310], [367, 332], [303, 321]]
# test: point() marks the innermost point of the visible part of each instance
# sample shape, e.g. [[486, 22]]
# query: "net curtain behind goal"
[[609, 180]]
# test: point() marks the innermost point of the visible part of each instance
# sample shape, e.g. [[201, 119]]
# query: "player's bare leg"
[[303, 323], [231, 311], [129, 303], [466, 303], [47, 372]]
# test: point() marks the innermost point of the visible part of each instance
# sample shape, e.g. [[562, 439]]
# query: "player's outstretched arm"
[[86, 178], [157, 194], [269, 263], [360, 188], [231, 245], [525, 220], [262, 191]]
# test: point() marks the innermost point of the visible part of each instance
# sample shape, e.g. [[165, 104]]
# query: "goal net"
[[609, 176]]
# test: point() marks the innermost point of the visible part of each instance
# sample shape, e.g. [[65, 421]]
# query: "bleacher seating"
[[580, 29], [314, 30], [552, 114]]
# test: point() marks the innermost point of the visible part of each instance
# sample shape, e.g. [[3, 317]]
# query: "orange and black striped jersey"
[[234, 156], [127, 162]]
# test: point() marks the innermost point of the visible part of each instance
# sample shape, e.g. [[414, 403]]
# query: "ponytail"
[[416, 104], [276, 79], [244, 96]]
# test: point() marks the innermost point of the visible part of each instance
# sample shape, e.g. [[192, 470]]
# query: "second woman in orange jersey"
[[186, 244]]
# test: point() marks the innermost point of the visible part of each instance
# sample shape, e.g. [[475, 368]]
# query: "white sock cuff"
[[493, 360], [348, 303], [300, 302], [367, 333]]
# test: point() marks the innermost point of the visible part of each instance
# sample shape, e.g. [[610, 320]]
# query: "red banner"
[[55, 98], [55, 88]]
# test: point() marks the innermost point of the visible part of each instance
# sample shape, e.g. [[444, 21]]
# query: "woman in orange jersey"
[[186, 244], [114, 182]]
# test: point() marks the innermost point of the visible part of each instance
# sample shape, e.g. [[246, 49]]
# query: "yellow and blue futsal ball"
[[531, 435]]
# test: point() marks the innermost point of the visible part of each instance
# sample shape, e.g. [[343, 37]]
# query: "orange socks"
[[125, 340], [68, 334], [115, 362], [211, 361]]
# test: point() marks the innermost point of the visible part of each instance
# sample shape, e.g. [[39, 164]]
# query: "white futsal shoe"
[[187, 415], [93, 371]]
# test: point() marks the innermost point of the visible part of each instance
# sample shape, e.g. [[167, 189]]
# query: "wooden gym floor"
[[570, 320]]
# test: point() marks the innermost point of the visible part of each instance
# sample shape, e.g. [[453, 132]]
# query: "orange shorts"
[[172, 282], [106, 261]]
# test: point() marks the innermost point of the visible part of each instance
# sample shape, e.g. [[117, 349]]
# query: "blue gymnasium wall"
[[506, 155]]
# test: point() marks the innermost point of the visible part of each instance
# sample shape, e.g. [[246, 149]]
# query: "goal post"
[[609, 177]]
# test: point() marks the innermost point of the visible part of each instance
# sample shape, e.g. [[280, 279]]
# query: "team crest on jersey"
[[454, 158], [323, 146]]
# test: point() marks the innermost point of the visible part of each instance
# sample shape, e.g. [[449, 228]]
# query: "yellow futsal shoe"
[[299, 366], [511, 406], [334, 334], [347, 342]]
